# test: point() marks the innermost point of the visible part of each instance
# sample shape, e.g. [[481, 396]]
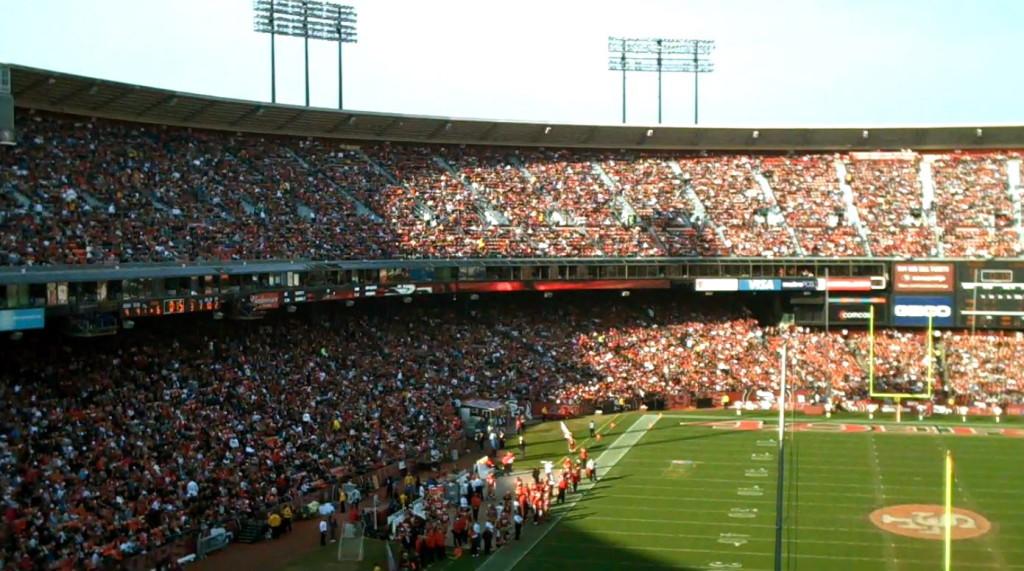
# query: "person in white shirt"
[[323, 532], [518, 520], [192, 489]]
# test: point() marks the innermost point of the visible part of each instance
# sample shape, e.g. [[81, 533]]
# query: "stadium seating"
[[83, 191], [100, 443]]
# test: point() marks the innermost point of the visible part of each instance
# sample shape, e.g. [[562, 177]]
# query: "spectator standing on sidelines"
[[286, 516], [323, 532], [592, 428], [274, 521]]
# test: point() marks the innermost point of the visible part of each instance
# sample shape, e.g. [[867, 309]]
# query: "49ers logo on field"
[[925, 521]]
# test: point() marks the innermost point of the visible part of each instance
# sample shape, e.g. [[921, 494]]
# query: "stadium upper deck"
[[130, 187]]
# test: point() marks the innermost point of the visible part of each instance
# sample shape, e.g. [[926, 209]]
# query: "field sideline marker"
[[614, 453]]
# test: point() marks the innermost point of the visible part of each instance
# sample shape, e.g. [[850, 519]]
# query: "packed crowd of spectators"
[[658, 198], [888, 195], [737, 204], [807, 189], [111, 447], [974, 206], [78, 190], [985, 364]]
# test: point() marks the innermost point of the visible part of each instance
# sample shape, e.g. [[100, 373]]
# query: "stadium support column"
[[780, 484], [826, 300]]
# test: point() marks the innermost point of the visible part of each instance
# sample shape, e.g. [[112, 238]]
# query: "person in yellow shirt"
[[286, 516], [274, 521], [342, 499]]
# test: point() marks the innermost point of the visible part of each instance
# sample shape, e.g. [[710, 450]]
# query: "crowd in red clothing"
[[78, 190]]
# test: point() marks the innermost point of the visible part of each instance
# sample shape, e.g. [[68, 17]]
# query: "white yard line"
[[609, 458], [879, 494]]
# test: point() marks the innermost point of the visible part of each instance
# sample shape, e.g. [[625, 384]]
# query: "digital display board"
[[990, 295], [172, 306]]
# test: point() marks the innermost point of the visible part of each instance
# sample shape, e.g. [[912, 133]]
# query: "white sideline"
[[609, 458]]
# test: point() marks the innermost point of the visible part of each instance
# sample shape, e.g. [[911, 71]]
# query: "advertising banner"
[[923, 277], [21, 319], [854, 314], [264, 301], [913, 310], [760, 285], [798, 284], [844, 284], [717, 284]]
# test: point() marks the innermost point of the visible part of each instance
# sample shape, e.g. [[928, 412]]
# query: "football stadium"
[[290, 328]]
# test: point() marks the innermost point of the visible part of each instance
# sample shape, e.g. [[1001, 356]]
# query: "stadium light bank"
[[661, 55], [305, 19]]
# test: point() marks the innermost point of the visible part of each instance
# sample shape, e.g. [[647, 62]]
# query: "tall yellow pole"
[[948, 520]]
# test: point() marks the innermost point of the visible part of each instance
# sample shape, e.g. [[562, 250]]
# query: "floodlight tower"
[[305, 19], [660, 55]]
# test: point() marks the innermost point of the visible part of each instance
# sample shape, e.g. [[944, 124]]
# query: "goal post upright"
[[898, 397]]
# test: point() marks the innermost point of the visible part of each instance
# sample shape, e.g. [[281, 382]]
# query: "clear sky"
[[778, 62]]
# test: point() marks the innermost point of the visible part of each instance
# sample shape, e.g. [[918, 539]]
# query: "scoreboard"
[[990, 295], [172, 306]]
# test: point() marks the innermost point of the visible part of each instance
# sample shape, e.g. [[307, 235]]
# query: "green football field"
[[678, 493], [686, 495]]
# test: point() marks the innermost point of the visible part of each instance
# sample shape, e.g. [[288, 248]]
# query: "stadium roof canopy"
[[53, 91]]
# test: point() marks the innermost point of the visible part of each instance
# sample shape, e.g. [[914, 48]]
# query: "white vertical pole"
[[782, 398]]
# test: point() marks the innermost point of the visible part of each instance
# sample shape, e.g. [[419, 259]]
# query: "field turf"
[[648, 512], [685, 495]]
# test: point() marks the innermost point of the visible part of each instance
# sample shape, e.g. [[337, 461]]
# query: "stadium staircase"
[[361, 209], [91, 200], [623, 210], [924, 176], [852, 214], [700, 213], [775, 216], [252, 531], [381, 170], [1014, 186], [20, 198], [487, 211]]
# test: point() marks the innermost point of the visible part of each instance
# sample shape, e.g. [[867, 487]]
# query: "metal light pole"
[[273, 58], [306, 19], [305, 39], [660, 55], [623, 82]]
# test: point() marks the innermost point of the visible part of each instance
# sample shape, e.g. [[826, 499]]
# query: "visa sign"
[[914, 311]]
